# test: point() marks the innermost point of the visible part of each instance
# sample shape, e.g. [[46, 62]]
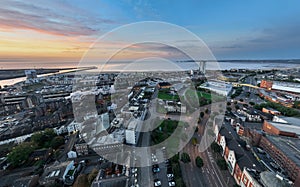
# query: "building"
[[164, 85], [82, 149], [283, 150], [74, 127], [271, 111], [29, 181], [111, 175], [229, 78], [219, 87], [249, 178], [132, 131], [270, 179], [53, 174], [71, 173], [236, 155], [30, 74], [251, 114], [266, 84], [284, 126], [72, 154]]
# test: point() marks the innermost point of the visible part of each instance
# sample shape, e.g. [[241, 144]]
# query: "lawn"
[[164, 95], [191, 95]]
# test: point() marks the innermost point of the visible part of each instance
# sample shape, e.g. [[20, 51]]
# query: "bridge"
[[247, 85]]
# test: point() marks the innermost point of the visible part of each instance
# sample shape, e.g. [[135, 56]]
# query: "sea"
[[223, 65]]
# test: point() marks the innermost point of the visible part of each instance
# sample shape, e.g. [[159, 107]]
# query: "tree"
[[57, 141], [206, 111], [175, 158], [251, 103], [215, 147], [185, 158], [36, 138], [242, 100], [222, 164], [229, 109], [201, 114], [194, 141], [297, 104], [228, 103], [43, 139], [199, 162], [20, 153]]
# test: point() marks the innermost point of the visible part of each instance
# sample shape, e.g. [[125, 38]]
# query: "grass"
[[164, 95], [200, 94]]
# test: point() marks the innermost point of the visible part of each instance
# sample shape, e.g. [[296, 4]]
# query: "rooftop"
[[243, 156], [287, 124], [289, 146]]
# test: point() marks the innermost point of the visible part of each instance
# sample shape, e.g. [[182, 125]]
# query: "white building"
[[72, 154], [74, 127], [133, 131], [219, 87]]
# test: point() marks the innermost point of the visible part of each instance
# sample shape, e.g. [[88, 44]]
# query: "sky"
[[41, 33]]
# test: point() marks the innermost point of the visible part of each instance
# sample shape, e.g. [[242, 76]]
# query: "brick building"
[[283, 126], [266, 84]]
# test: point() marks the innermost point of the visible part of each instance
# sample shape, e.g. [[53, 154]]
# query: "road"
[[208, 175]]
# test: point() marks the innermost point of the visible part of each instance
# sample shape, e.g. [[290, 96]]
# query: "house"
[[72, 154], [236, 155], [81, 149], [40, 154], [164, 85], [271, 111]]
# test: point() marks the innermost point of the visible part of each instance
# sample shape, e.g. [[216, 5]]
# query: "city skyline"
[[35, 33]]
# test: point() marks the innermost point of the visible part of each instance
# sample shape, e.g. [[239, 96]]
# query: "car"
[[155, 168], [172, 183], [157, 183], [170, 177], [154, 158]]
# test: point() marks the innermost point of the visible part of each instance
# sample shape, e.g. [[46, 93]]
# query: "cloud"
[[281, 41], [57, 18]]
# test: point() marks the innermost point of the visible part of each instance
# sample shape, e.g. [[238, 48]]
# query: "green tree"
[[57, 141], [201, 114], [297, 104], [199, 162], [43, 139], [251, 103], [215, 147], [37, 139], [229, 109], [175, 158], [222, 164], [20, 153], [206, 111], [194, 141], [185, 157]]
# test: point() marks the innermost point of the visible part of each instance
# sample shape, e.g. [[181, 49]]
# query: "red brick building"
[[266, 84], [278, 128]]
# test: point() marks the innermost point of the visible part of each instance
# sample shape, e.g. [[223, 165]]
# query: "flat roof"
[[289, 146], [286, 127]]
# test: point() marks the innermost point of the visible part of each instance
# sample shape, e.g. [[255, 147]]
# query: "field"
[[164, 95], [190, 94]]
